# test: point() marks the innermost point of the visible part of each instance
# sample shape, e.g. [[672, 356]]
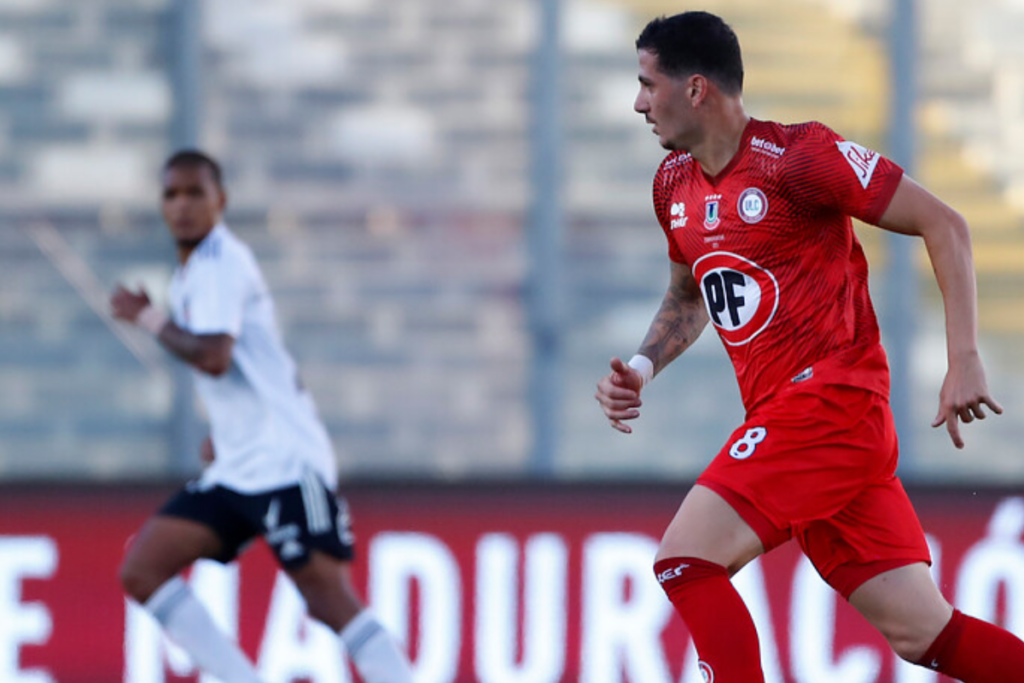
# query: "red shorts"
[[820, 465]]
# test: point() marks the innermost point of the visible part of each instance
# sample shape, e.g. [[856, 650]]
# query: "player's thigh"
[[708, 528], [906, 606], [163, 547], [325, 583]]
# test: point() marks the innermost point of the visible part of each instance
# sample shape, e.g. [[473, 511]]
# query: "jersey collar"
[[216, 230], [741, 152]]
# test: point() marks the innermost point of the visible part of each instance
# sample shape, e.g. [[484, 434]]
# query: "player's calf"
[[719, 622], [326, 586]]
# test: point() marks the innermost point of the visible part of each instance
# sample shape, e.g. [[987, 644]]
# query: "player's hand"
[[126, 305], [206, 453], [619, 395], [963, 393]]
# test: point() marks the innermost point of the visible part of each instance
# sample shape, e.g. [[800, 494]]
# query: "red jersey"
[[771, 244]]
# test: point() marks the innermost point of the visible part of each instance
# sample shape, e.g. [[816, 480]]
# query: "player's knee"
[[134, 582], [731, 566], [909, 650], [138, 581], [908, 643]]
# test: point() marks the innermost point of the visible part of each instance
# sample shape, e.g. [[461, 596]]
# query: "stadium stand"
[[377, 161]]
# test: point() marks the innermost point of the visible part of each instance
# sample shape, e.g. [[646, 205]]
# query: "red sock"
[[719, 622], [974, 651]]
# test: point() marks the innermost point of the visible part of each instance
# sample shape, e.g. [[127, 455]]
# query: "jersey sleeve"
[[662, 192], [826, 171], [219, 287]]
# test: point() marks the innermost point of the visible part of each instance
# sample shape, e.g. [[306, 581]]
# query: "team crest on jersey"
[[711, 216], [741, 297], [707, 674], [861, 159], [752, 205]]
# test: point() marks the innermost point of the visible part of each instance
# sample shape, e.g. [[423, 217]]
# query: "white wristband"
[[151, 319], [644, 366]]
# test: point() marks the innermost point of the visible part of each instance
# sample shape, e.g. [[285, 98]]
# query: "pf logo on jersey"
[[741, 296]]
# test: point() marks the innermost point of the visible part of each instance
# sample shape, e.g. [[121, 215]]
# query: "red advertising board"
[[494, 583]]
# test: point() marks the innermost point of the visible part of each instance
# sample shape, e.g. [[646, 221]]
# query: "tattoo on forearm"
[[677, 325]]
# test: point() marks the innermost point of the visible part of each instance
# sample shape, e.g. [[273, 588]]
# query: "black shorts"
[[293, 520]]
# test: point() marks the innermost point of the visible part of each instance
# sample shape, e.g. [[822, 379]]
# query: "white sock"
[[374, 652], [189, 625]]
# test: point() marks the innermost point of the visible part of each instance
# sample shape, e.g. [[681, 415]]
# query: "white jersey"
[[264, 425]]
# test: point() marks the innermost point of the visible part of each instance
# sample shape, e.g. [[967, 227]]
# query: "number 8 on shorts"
[[744, 448]]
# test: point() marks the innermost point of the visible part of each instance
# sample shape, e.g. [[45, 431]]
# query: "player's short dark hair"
[[193, 158], [695, 43]]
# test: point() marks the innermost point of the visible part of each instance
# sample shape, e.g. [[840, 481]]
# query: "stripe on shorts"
[[314, 498]]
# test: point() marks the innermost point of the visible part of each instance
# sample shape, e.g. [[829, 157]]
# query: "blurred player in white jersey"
[[271, 470]]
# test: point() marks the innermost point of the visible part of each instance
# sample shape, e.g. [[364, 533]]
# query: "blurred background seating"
[[377, 160]]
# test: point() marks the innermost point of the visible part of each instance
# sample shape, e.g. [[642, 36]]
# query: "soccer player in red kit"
[[757, 218]]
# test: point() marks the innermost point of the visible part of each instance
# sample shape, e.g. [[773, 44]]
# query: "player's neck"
[[722, 137], [187, 246]]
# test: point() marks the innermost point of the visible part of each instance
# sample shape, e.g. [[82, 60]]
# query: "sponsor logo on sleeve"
[[861, 159]]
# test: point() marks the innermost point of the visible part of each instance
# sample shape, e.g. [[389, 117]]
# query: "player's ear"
[[696, 89]]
